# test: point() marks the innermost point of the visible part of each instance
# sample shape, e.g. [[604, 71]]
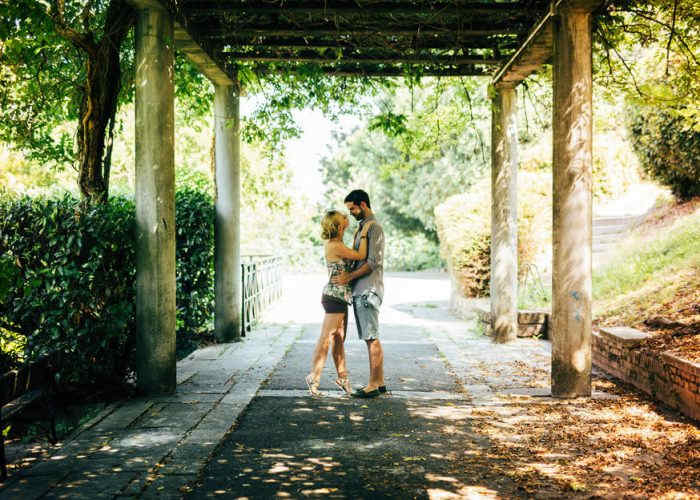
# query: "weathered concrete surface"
[[242, 424], [155, 203], [227, 227], [417, 442], [504, 213], [138, 447], [572, 218]]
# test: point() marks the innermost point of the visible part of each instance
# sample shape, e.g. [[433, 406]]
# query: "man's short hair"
[[357, 196]]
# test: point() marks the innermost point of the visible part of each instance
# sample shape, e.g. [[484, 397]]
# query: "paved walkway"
[[242, 424]]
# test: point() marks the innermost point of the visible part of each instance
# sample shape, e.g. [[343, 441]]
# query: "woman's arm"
[[348, 253]]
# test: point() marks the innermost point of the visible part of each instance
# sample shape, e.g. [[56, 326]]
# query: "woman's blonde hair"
[[331, 224]]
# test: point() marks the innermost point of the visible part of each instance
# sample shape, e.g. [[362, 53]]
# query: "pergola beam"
[[223, 32], [535, 51], [337, 8], [389, 71], [315, 57], [398, 71], [448, 41], [185, 43]]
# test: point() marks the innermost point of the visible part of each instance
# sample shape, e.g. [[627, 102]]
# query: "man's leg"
[[376, 364]]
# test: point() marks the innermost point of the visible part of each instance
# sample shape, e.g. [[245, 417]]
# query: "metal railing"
[[261, 277]]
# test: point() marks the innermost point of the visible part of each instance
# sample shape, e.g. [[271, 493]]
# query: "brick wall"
[[530, 323], [665, 377]]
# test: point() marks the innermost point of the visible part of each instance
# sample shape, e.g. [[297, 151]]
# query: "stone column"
[[155, 203], [572, 224], [227, 225], [504, 212]]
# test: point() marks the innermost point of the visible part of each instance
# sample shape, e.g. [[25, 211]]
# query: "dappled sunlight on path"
[[464, 418], [467, 418]]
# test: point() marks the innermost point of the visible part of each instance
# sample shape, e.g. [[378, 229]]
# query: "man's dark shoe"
[[381, 389], [360, 393]]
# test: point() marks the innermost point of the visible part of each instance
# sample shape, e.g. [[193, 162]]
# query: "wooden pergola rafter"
[[377, 37]]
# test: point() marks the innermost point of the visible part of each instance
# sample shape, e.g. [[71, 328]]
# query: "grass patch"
[[651, 257], [672, 296], [533, 294], [657, 264]]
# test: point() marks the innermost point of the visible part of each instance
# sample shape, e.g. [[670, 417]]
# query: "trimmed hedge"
[[668, 149], [194, 267], [69, 277], [464, 229]]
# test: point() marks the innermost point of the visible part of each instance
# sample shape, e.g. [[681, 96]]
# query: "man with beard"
[[367, 281]]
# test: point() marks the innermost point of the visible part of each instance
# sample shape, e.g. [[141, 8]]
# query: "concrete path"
[[242, 424], [151, 447]]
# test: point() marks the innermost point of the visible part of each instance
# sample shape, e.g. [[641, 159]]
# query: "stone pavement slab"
[[407, 444], [414, 366], [346, 448], [242, 424], [153, 446]]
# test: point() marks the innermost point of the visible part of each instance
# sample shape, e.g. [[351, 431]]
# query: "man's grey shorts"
[[366, 318]]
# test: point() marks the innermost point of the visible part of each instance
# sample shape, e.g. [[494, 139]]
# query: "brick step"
[[531, 323]]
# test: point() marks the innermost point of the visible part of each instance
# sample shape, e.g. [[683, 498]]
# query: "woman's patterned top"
[[342, 292]]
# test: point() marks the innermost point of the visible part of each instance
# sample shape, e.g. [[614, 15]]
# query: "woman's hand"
[[341, 278], [365, 228]]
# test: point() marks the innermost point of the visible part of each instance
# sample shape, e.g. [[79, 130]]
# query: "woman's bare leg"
[[338, 337], [330, 322]]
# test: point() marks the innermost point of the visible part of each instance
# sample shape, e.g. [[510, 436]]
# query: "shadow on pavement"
[[345, 448]]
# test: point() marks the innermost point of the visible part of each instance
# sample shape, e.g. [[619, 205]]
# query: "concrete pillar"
[[227, 252], [155, 203], [504, 212], [572, 224]]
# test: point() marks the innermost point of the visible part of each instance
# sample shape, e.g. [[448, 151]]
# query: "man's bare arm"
[[344, 278]]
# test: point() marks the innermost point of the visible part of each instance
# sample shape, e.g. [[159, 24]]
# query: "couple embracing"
[[356, 277]]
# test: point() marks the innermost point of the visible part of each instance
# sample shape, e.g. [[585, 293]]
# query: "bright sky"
[[303, 155]]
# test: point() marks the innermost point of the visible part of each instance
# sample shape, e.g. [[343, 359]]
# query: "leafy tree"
[[66, 67], [424, 144], [62, 61], [648, 51]]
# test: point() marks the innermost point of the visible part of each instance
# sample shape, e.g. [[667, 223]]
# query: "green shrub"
[[413, 252], [464, 229], [194, 268], [668, 149], [75, 289], [72, 275]]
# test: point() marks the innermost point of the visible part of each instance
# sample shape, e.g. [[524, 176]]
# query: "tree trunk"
[[99, 103]]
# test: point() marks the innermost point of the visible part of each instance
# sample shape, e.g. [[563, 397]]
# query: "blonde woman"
[[335, 300]]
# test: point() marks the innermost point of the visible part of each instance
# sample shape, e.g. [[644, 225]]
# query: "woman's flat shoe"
[[344, 385], [360, 393], [313, 386]]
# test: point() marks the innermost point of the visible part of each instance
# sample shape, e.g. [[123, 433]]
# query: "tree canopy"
[[66, 67]]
